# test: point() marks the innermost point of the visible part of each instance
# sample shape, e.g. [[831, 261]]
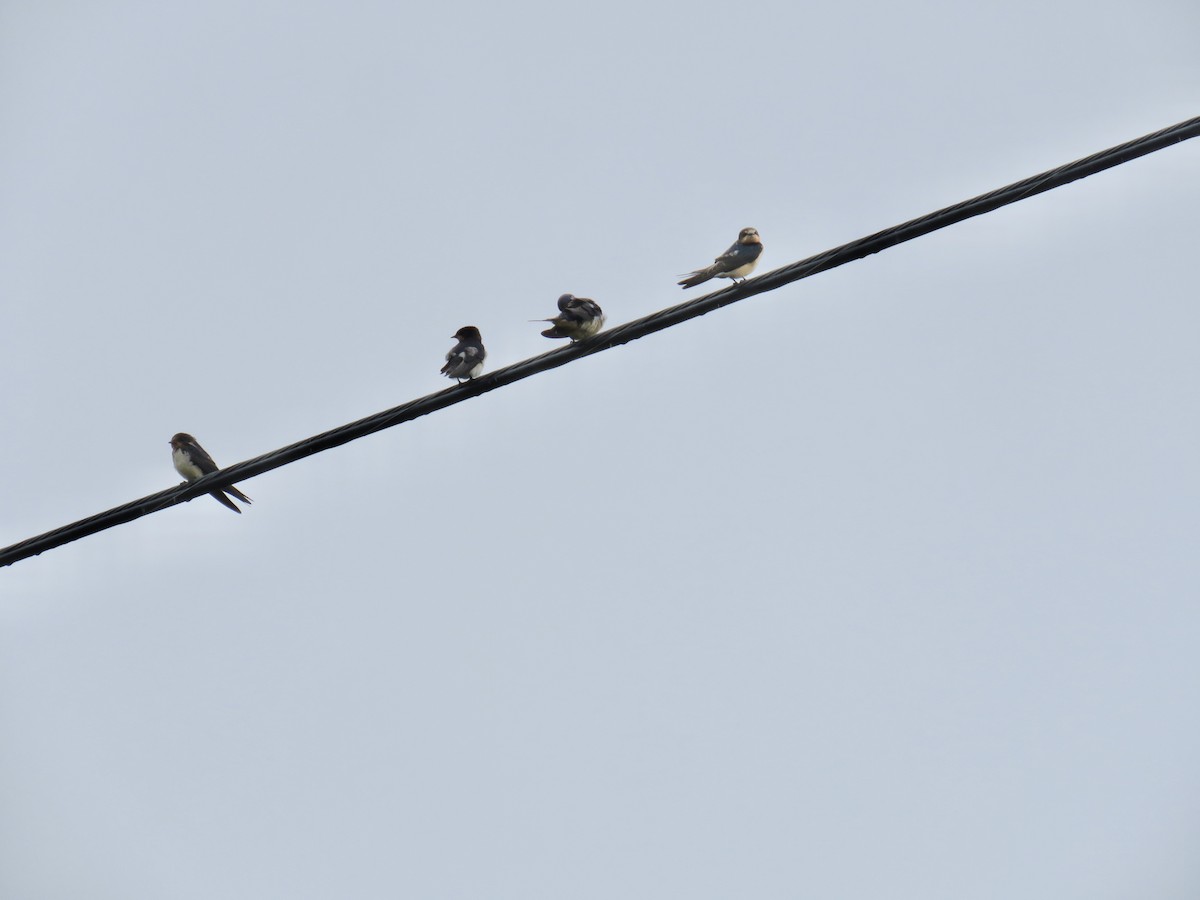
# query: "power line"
[[614, 337]]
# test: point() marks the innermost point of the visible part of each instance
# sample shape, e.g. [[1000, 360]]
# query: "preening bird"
[[578, 318]]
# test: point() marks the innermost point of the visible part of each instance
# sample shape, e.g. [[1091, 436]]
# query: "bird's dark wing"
[[462, 359], [200, 458], [736, 256]]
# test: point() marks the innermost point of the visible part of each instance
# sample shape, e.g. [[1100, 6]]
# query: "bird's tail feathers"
[[698, 277], [220, 497], [231, 489]]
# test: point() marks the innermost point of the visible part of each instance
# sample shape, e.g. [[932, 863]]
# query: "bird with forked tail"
[[192, 461], [737, 262]]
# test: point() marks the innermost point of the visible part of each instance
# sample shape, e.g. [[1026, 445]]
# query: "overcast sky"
[[881, 585]]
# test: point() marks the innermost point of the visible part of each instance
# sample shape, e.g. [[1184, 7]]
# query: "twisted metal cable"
[[606, 340]]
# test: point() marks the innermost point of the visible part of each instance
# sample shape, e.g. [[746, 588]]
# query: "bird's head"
[[749, 236]]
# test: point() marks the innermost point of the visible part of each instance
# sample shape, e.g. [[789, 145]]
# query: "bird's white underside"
[[184, 465]]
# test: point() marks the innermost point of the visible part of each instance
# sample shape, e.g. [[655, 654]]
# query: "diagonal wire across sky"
[[613, 337]]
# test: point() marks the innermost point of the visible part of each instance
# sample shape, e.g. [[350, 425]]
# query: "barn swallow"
[[578, 318], [737, 262], [465, 359], [191, 461]]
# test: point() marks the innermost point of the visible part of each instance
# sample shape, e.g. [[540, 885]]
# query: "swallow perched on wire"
[[737, 262], [465, 359], [191, 461], [578, 318]]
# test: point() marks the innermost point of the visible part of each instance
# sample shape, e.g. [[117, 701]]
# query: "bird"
[[578, 318], [737, 262], [465, 359], [192, 461]]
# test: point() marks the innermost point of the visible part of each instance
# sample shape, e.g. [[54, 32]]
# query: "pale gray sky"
[[881, 585]]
